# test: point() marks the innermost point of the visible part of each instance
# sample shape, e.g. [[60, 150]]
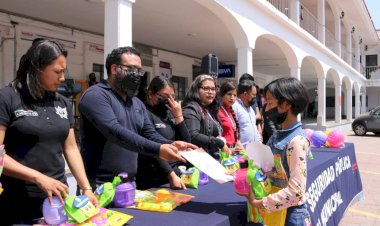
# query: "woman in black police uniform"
[[36, 127], [166, 116]]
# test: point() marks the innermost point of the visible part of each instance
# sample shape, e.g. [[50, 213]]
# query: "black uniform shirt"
[[36, 131]]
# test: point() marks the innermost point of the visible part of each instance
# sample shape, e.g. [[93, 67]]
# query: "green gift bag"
[[261, 187], [106, 191], [79, 208], [190, 177]]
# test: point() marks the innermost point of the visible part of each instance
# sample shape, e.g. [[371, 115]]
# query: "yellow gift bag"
[[274, 218]]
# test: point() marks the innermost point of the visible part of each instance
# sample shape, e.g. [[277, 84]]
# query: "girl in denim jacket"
[[286, 98]]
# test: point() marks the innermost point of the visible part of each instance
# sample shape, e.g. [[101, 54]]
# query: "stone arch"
[[288, 51], [311, 71], [237, 31]]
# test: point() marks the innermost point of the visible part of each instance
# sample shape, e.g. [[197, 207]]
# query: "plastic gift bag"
[[279, 180], [107, 217], [79, 208], [190, 177], [106, 192], [161, 200], [274, 218], [229, 162], [261, 187]]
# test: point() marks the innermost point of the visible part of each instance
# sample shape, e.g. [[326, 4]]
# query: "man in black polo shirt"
[[115, 125]]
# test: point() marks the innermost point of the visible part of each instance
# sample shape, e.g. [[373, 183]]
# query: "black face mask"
[[160, 108], [274, 116], [129, 83]]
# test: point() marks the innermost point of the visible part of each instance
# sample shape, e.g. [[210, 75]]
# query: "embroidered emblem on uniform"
[[159, 126], [21, 112], [62, 112]]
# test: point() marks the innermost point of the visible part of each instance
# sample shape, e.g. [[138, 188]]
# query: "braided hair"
[[224, 89], [236, 132]]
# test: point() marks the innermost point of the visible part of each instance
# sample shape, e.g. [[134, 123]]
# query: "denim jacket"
[[279, 141]]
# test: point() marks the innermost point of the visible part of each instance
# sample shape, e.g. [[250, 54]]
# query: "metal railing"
[[330, 40], [369, 70], [309, 22], [281, 5]]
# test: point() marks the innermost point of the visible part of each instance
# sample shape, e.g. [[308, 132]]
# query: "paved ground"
[[366, 212]]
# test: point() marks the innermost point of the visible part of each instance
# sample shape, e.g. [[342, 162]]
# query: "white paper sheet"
[[207, 164], [261, 154]]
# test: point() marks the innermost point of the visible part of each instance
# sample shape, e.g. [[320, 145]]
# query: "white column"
[[321, 19], [338, 103], [244, 61], [349, 47], [349, 104], [357, 103], [156, 65], [321, 118], [7, 64], [295, 72], [338, 35], [364, 109], [357, 56], [117, 24], [294, 10]]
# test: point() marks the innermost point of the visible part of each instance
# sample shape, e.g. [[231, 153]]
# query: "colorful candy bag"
[[261, 187], [278, 179], [161, 200], [105, 217], [79, 208], [190, 177], [106, 192], [229, 162]]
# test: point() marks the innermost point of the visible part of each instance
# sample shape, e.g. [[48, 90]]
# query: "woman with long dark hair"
[[165, 113], [200, 110], [36, 127]]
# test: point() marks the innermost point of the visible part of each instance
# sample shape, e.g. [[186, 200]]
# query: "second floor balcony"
[[345, 45]]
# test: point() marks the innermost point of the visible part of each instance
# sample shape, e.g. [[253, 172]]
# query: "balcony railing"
[[330, 40], [309, 22], [281, 5], [369, 70]]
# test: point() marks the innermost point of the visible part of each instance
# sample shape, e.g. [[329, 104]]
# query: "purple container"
[[125, 192], [54, 214], [203, 178]]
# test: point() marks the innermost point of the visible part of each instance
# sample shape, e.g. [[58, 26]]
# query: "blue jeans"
[[298, 216]]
